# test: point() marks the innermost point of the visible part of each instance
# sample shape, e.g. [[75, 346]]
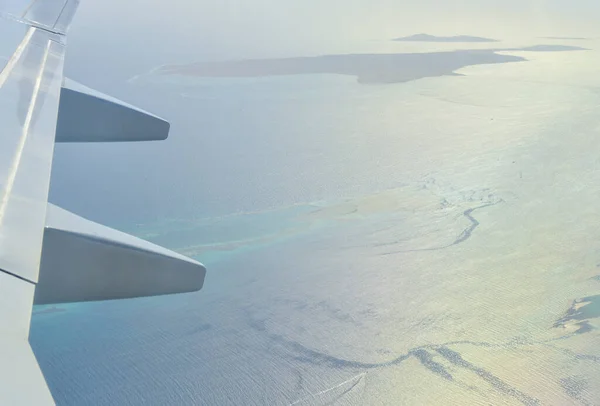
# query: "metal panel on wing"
[[50, 15], [29, 92]]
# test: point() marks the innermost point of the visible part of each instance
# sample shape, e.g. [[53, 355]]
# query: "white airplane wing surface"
[[47, 254]]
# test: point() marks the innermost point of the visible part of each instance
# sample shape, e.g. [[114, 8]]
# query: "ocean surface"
[[428, 242]]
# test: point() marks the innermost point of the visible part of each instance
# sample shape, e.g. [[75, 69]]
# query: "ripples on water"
[[453, 263]]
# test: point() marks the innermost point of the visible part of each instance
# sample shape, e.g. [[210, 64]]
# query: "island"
[[433, 38], [367, 68], [568, 38], [552, 48]]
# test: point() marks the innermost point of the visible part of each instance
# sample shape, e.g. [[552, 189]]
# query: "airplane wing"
[[48, 255]]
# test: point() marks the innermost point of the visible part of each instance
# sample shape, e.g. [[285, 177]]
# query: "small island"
[[568, 38], [553, 48], [433, 38]]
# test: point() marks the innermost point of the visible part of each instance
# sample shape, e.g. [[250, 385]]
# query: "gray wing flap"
[[85, 261]]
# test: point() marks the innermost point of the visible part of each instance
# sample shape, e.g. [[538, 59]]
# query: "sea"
[[420, 243]]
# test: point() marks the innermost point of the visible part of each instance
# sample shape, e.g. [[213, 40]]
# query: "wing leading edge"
[[48, 255]]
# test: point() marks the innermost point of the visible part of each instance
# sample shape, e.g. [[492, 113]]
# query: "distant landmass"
[[568, 38], [551, 48], [433, 38], [368, 68]]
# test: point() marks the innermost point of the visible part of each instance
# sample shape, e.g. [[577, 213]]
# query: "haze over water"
[[431, 241]]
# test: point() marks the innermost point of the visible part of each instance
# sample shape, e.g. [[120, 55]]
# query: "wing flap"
[[86, 115], [86, 261]]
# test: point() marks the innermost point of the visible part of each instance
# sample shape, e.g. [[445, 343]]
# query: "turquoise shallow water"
[[305, 305], [207, 347]]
